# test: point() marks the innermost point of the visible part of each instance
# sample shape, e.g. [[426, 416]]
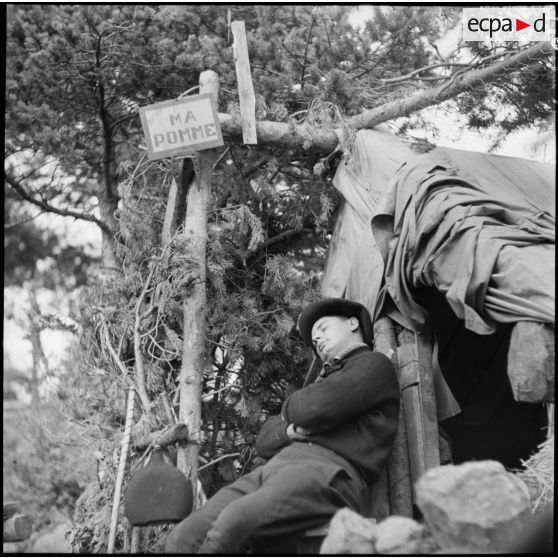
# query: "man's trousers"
[[292, 492]]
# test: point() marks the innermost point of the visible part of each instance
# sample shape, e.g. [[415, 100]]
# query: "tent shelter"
[[453, 248]]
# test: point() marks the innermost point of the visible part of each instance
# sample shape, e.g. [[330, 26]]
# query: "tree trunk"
[[322, 140], [191, 373], [107, 209]]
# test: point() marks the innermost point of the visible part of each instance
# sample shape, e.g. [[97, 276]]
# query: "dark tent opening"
[[491, 425]]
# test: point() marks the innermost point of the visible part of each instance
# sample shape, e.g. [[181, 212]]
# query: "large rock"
[[401, 535], [475, 507], [349, 533]]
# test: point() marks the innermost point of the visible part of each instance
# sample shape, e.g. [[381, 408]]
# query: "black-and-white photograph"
[[279, 279]]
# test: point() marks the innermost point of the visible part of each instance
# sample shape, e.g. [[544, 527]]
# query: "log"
[[9, 508], [289, 136], [398, 466], [531, 362], [164, 437], [17, 528]]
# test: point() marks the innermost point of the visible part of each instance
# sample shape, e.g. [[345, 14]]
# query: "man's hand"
[[297, 433]]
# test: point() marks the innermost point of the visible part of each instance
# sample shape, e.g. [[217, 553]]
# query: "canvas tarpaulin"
[[478, 227]]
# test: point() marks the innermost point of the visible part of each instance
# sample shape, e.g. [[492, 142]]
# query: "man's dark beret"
[[334, 307]]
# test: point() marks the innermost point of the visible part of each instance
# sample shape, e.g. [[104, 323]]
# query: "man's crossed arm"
[[324, 405]]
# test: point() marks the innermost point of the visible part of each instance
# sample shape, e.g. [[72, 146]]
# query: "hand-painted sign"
[[181, 126]]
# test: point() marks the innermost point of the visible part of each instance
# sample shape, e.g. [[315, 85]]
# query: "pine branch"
[[324, 140], [45, 206], [454, 87]]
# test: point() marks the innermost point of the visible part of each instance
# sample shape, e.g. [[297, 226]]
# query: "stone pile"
[[350, 533], [472, 508]]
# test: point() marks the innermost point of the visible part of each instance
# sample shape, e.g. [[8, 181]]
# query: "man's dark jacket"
[[351, 409]]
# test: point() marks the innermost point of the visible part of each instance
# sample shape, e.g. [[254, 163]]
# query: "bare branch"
[[139, 368], [286, 235], [217, 460], [45, 206], [164, 437]]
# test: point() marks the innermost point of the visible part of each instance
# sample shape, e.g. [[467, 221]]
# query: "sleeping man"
[[331, 440]]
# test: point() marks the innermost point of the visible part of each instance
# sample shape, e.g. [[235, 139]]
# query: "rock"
[[398, 535], [53, 541], [531, 358], [476, 506], [349, 533]]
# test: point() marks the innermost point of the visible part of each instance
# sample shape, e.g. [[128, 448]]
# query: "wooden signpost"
[[186, 127]]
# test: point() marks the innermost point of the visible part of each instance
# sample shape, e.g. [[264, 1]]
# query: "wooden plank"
[[245, 85], [415, 439], [419, 403], [428, 401]]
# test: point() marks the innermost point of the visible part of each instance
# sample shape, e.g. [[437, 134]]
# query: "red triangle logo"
[[519, 25]]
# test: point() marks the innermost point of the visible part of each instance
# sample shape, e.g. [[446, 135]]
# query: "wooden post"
[[419, 403], [191, 373], [398, 467], [125, 445], [135, 540], [245, 86]]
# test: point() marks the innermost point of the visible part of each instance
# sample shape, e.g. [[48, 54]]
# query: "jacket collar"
[[339, 361]]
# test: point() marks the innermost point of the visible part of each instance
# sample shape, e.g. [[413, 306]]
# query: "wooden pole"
[[135, 540], [191, 373], [121, 469], [398, 467]]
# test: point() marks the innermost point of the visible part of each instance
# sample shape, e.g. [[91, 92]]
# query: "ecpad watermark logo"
[[509, 23]]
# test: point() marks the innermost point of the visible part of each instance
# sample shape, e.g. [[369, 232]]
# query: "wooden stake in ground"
[[121, 469], [191, 373]]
